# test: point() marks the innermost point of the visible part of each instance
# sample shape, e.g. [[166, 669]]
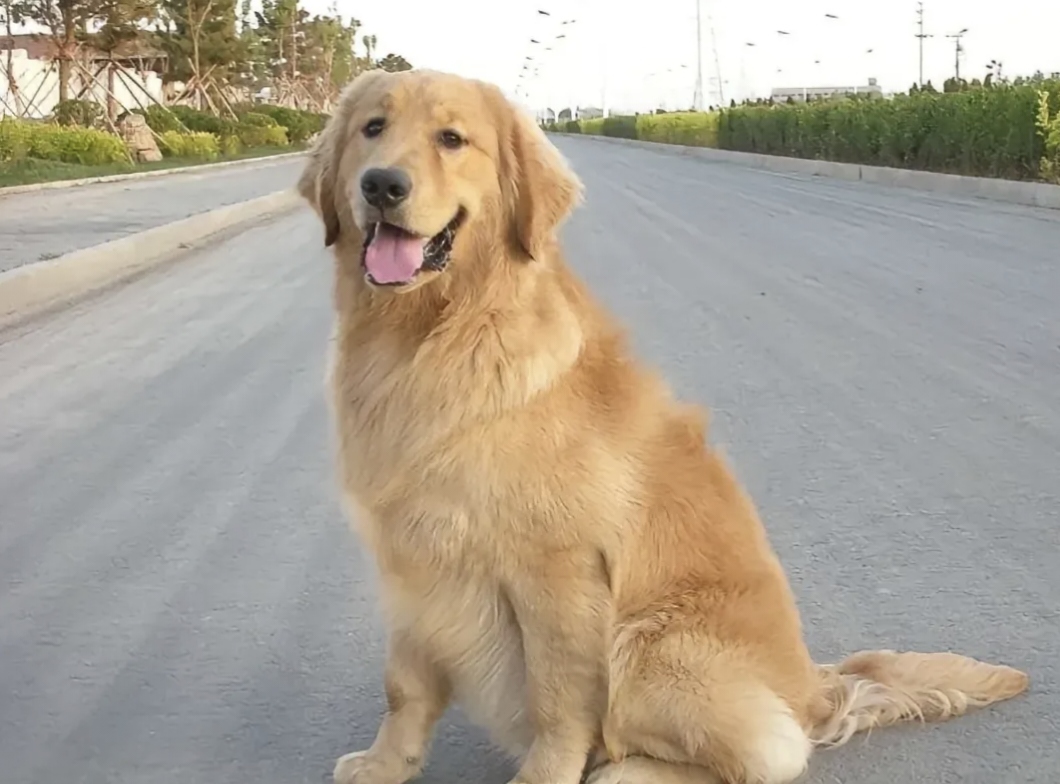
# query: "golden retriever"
[[559, 549]]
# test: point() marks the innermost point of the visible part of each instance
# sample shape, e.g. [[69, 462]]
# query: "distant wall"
[[38, 87]]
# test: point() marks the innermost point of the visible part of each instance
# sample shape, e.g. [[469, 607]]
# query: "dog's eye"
[[374, 127], [451, 140]]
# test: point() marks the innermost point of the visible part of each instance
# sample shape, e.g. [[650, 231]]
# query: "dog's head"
[[412, 166]]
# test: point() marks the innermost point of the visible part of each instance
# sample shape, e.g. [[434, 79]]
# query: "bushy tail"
[[879, 688]]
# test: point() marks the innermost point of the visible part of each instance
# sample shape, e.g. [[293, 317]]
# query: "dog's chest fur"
[[459, 498]]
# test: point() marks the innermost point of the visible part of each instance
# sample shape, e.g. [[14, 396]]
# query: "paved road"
[[181, 600], [47, 223]]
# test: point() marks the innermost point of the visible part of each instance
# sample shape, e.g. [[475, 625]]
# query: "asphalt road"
[[181, 601], [43, 224]]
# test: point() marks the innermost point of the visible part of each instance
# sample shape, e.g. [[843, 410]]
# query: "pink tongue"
[[393, 256]]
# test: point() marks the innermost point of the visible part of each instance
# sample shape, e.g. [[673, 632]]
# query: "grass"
[[29, 171]]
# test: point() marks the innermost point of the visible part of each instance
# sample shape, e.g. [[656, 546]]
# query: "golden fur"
[[559, 550]]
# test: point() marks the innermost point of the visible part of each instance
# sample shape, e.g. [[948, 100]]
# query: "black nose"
[[384, 188]]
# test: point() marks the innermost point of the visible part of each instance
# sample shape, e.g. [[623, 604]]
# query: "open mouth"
[[393, 256]]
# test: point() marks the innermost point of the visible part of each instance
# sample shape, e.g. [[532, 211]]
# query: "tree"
[[120, 23], [200, 38], [369, 47], [395, 63], [278, 27], [66, 21], [329, 55]]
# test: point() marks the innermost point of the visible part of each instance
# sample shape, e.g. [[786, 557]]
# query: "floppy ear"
[[319, 179], [541, 187], [317, 183]]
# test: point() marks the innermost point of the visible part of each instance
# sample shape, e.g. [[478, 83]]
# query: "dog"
[[559, 550]]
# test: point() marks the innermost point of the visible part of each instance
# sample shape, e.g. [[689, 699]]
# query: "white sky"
[[635, 49]]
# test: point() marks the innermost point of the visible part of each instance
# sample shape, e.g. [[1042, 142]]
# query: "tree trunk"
[[112, 104], [65, 68]]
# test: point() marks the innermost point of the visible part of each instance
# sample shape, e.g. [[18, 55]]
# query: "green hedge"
[[983, 132], [192, 146], [300, 125], [1008, 131], [21, 139], [693, 129], [699, 129], [295, 126]]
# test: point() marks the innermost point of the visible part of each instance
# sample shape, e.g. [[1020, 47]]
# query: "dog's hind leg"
[[683, 698]]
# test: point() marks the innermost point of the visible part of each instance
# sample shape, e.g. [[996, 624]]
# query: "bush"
[[253, 134], [300, 125], [86, 146], [160, 119], [76, 112], [571, 126], [290, 126], [203, 122], [258, 120], [620, 126], [230, 145], [192, 146], [14, 139], [982, 132], [594, 127], [1049, 129], [694, 129]]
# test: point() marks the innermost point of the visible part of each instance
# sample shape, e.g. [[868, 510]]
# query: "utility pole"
[[717, 62], [921, 36], [697, 97], [957, 50]]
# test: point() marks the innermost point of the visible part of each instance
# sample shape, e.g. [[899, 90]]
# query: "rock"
[[138, 138]]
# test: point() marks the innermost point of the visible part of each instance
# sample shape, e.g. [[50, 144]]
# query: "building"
[[782, 94]]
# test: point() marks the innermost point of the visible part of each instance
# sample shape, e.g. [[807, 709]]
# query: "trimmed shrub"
[[571, 126], [620, 126], [1048, 123], [203, 122], [160, 119], [594, 127], [257, 119], [76, 112], [300, 125], [694, 129], [230, 145], [14, 139], [981, 132], [86, 146], [253, 134], [192, 146]]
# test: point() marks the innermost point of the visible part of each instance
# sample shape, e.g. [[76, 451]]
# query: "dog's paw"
[[364, 767]]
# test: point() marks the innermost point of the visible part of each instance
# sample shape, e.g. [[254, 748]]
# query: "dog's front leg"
[[417, 694], [561, 609]]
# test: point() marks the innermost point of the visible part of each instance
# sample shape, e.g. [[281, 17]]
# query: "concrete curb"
[[1028, 194], [43, 186], [34, 287]]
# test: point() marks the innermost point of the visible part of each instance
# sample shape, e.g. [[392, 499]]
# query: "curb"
[[56, 184], [41, 285], [1027, 194]]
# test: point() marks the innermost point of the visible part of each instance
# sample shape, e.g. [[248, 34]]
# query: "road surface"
[[181, 601], [43, 224]]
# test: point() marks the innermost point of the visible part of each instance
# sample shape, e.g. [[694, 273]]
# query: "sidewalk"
[[48, 223]]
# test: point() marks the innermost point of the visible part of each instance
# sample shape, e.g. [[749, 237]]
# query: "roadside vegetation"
[[989, 129], [239, 80]]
